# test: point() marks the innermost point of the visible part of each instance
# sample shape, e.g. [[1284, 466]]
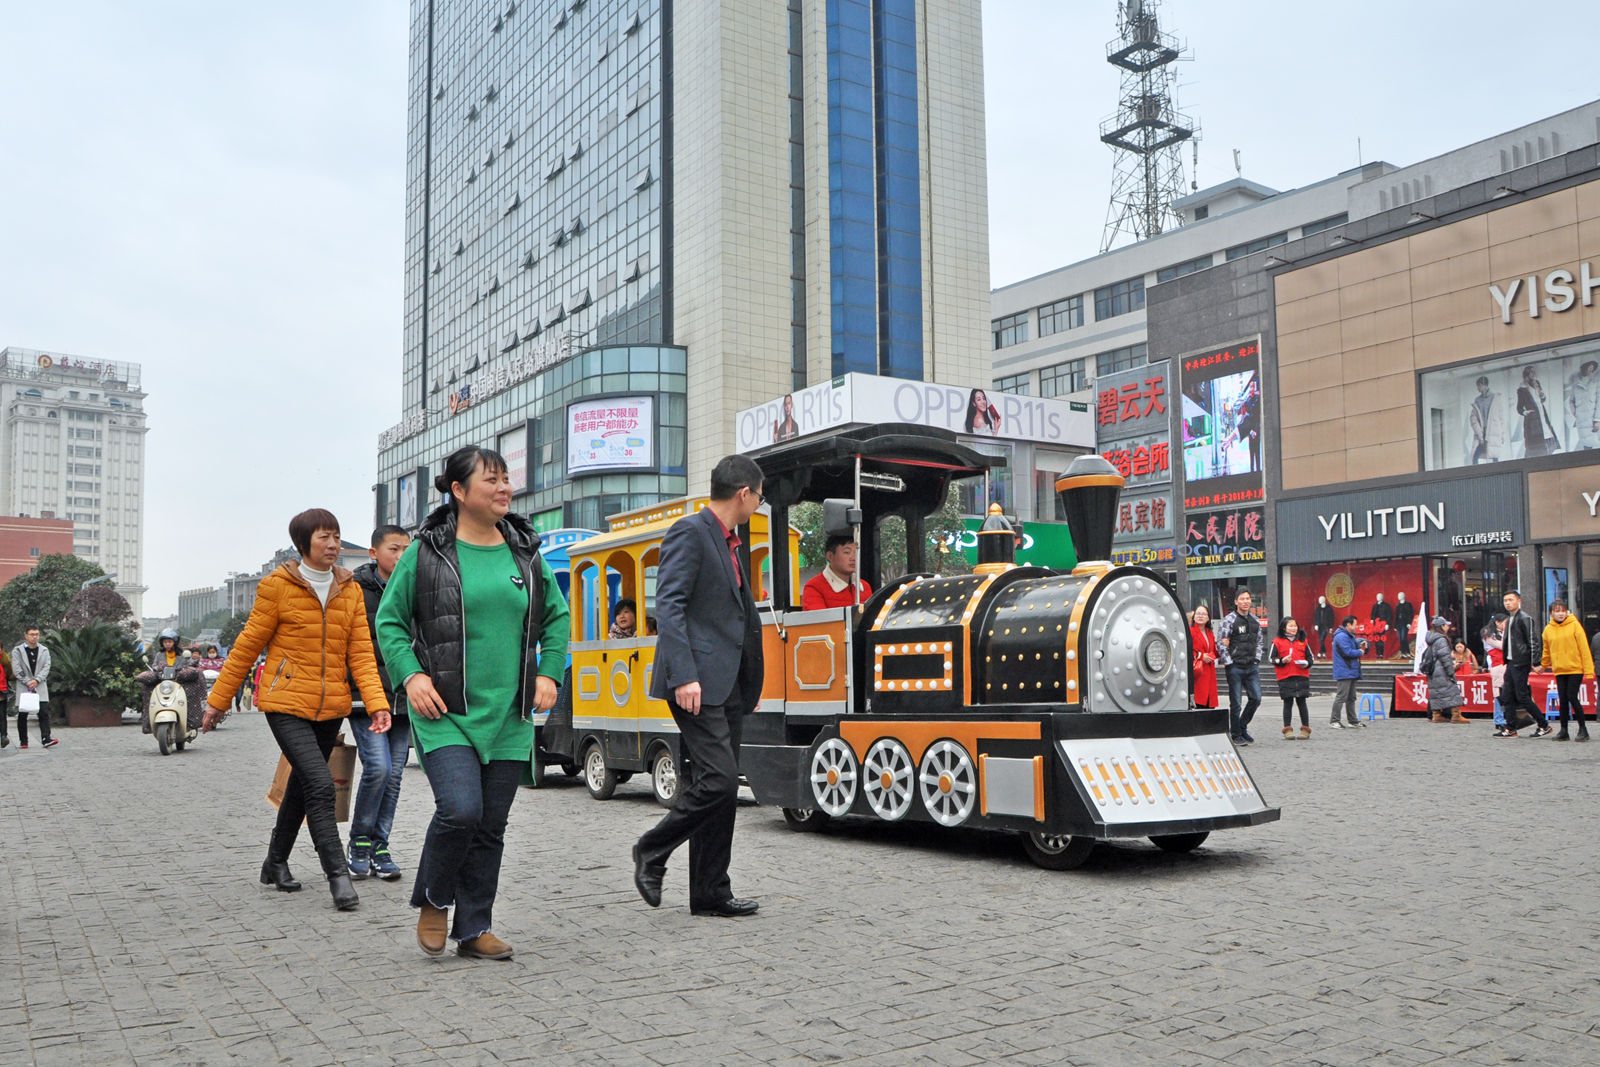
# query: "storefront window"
[[1369, 590], [1519, 407]]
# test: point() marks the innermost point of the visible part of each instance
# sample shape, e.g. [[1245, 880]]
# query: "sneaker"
[[1248, 739], [360, 858], [383, 864], [1360, 724], [1336, 725], [5, 742], [24, 745], [1501, 731], [50, 742], [1544, 729]]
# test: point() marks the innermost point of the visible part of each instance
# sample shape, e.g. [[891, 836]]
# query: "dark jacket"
[[1404, 612], [1346, 655], [371, 584], [439, 626], [1322, 618], [1439, 667], [1246, 635], [706, 622], [1523, 644], [1383, 610]]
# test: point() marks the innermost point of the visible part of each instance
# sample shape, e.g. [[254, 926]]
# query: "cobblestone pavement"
[[1427, 897]]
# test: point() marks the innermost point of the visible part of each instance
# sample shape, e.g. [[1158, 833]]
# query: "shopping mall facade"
[[1423, 387]]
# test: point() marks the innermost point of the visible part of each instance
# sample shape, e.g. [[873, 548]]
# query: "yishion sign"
[[1403, 520]]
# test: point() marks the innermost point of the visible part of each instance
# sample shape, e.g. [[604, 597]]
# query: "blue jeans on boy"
[[1247, 678], [460, 862], [383, 761]]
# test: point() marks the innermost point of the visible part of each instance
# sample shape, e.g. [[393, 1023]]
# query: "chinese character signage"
[[1221, 417], [1219, 538], [1132, 402], [1133, 433], [614, 434], [1145, 516], [514, 449], [1142, 460]]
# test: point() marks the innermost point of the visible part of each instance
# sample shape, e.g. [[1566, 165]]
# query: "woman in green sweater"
[[473, 625]]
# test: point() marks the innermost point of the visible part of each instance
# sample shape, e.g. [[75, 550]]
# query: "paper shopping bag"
[[27, 701], [341, 765]]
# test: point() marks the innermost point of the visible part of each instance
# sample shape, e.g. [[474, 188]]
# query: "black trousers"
[[1516, 699], [1569, 690], [703, 814], [309, 794], [43, 715]]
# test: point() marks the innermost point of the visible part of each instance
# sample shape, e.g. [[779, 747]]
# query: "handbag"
[[27, 700]]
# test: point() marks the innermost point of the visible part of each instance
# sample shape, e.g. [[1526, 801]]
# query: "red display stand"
[[1478, 692]]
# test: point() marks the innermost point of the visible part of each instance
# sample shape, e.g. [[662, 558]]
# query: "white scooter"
[[169, 713]]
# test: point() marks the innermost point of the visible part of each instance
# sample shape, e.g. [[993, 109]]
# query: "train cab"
[[604, 727]]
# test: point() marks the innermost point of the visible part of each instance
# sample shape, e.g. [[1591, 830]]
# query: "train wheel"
[[664, 778], [833, 777], [1057, 852], [805, 820], [889, 779], [601, 780], [949, 783], [1180, 842]]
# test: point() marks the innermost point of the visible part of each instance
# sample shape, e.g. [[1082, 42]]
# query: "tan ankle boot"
[[485, 946], [1456, 716], [1438, 716], [1305, 733], [433, 927]]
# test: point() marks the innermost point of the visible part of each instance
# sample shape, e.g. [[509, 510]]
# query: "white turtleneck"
[[321, 582]]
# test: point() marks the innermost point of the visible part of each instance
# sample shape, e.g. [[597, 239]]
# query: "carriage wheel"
[[949, 783], [889, 779], [833, 777], [1057, 852]]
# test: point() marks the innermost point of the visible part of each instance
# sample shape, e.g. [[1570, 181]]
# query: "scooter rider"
[[170, 653]]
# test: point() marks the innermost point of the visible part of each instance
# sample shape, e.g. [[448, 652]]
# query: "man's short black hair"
[[1349, 620], [622, 605], [32, 629], [733, 473], [383, 533], [1511, 592], [837, 541]]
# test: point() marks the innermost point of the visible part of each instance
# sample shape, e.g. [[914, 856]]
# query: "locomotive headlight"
[[1157, 654]]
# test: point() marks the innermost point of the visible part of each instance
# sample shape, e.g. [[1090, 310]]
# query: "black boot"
[[276, 872], [344, 894]]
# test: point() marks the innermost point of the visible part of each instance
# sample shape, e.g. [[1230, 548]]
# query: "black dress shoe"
[[732, 908], [344, 894], [276, 872], [647, 878]]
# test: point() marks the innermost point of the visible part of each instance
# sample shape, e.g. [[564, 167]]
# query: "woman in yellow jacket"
[[310, 619], [1566, 651]]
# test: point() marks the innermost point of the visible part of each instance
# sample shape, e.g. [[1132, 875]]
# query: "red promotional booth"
[[1478, 691]]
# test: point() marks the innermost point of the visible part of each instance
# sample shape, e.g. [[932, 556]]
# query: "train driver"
[[835, 586]]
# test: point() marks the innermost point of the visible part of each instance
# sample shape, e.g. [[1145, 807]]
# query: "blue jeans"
[[461, 858], [383, 761], [1248, 679]]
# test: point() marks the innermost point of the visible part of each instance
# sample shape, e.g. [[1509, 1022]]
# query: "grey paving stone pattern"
[[1428, 897]]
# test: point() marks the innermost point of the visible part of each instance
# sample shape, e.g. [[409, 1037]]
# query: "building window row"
[[1063, 378], [1016, 383], [1119, 299], [1011, 330], [1260, 244], [1178, 270], [1061, 316], [1324, 224], [1120, 359]]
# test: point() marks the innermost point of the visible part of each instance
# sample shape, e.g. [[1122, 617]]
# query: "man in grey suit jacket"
[[708, 669], [30, 661]]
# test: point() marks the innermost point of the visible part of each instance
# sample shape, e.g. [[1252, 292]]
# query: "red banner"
[[1478, 692]]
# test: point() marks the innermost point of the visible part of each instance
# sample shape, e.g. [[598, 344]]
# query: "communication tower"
[[1147, 129]]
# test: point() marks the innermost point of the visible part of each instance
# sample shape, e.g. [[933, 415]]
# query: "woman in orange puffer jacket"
[[311, 620]]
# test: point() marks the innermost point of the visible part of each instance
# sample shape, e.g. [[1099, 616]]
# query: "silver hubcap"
[[888, 777], [949, 783], [666, 777], [1052, 843], [596, 767], [833, 777]]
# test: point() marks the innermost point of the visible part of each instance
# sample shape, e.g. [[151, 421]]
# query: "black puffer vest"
[[439, 626]]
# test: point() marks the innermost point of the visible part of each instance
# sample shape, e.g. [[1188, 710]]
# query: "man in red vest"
[[835, 586]]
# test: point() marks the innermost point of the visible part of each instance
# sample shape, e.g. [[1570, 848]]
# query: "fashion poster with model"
[[1520, 407], [1222, 426]]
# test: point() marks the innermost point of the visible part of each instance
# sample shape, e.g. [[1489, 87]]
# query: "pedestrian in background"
[[1245, 636], [1203, 644], [310, 620], [1522, 652], [709, 671], [383, 755], [5, 685], [1494, 658], [1439, 668], [474, 627], [1291, 660], [1347, 652], [1566, 652], [32, 663]]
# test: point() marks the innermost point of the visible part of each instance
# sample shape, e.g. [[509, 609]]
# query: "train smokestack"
[[997, 543], [1089, 492]]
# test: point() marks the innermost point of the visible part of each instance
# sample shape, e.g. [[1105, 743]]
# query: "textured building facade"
[[72, 447], [690, 203]]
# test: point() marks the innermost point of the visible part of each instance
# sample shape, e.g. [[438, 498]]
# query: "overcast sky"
[[216, 191]]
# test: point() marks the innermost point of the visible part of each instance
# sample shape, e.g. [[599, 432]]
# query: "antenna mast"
[[1147, 128]]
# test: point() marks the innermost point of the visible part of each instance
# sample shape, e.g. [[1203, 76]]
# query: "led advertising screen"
[[1222, 426], [617, 433]]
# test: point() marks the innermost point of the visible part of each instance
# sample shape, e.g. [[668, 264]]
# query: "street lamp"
[[94, 581]]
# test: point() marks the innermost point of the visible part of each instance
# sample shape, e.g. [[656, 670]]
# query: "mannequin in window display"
[[1486, 425], [1583, 404], [1322, 622], [1404, 612], [1381, 613], [1538, 431]]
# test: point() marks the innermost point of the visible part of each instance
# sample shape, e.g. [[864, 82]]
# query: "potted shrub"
[[92, 672]]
